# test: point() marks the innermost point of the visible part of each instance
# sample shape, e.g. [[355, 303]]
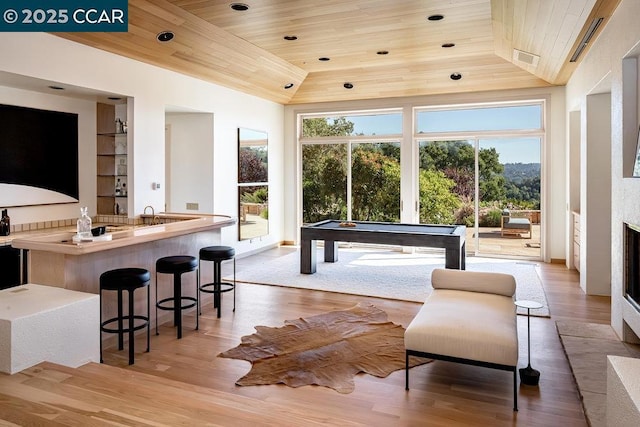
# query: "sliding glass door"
[[446, 182], [481, 167], [509, 195]]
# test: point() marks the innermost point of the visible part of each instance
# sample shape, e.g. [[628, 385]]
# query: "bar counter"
[[54, 260], [62, 242]]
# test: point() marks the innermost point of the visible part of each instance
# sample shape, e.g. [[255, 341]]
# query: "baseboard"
[[258, 250]]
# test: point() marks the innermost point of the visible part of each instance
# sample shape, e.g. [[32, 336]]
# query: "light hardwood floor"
[[183, 382]]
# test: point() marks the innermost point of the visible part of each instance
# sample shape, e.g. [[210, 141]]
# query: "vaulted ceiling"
[[383, 48]]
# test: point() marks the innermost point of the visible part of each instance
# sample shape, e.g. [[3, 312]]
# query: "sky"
[[520, 150]]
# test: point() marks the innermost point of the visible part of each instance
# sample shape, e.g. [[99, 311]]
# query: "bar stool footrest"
[[103, 325], [224, 287], [183, 306]]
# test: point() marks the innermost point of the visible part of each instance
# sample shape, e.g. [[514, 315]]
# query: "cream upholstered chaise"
[[470, 318]]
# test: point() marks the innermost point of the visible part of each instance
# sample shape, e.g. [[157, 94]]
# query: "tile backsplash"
[[98, 219]]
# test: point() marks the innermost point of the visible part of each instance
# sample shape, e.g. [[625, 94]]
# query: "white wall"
[[595, 197], [554, 173], [618, 40], [150, 90], [189, 162]]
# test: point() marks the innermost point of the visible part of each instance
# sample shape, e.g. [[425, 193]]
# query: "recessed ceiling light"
[[165, 36], [324, 58], [382, 52], [448, 45], [288, 86], [435, 17], [348, 85], [240, 7], [56, 87], [455, 76], [290, 37]]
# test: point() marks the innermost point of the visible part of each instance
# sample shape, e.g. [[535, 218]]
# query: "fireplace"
[[632, 264]]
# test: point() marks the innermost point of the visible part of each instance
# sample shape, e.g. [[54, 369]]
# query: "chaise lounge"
[[469, 318], [514, 225]]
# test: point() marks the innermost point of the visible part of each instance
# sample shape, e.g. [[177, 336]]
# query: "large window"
[[476, 165], [351, 167], [479, 119], [481, 167]]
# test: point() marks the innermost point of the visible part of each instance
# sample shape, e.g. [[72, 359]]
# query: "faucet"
[[154, 217]]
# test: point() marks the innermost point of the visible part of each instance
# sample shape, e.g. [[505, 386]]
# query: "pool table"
[[449, 237]]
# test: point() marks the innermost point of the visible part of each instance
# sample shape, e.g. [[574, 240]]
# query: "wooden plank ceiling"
[[247, 50]]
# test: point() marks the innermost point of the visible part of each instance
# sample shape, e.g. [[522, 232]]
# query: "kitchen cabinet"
[[112, 167], [576, 241]]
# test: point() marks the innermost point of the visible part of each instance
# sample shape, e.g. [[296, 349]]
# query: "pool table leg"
[[463, 256], [308, 256], [455, 258], [330, 251]]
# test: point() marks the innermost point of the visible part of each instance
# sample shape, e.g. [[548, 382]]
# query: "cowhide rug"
[[327, 349]]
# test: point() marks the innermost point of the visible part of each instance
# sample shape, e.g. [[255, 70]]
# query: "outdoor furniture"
[[510, 224], [469, 318]]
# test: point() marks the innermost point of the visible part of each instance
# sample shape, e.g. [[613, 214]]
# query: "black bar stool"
[[217, 254], [125, 279], [176, 265]]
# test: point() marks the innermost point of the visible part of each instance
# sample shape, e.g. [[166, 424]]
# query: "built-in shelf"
[[112, 168]]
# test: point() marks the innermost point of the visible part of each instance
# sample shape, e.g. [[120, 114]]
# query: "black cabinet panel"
[[9, 267]]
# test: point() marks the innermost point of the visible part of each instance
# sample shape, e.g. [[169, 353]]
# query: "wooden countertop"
[[61, 242]]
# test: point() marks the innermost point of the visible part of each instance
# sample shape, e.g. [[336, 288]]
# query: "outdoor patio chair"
[[514, 225]]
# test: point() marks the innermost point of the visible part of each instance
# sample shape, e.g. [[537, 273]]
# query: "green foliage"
[[446, 180], [321, 127], [491, 218], [324, 182], [259, 195], [527, 191], [252, 165], [375, 184], [437, 202], [457, 160], [465, 214], [265, 213]]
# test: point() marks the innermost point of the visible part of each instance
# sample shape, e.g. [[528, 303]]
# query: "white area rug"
[[387, 274]]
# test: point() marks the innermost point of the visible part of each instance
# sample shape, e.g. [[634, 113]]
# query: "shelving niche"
[[112, 165]]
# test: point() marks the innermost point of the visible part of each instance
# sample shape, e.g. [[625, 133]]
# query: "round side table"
[[528, 375]]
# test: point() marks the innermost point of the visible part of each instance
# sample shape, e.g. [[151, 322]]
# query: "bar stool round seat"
[[121, 280], [217, 254], [176, 265]]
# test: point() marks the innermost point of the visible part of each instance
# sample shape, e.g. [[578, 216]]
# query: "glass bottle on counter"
[[84, 223], [5, 224]]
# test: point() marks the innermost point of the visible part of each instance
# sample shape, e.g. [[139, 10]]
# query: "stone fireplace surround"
[[625, 313]]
